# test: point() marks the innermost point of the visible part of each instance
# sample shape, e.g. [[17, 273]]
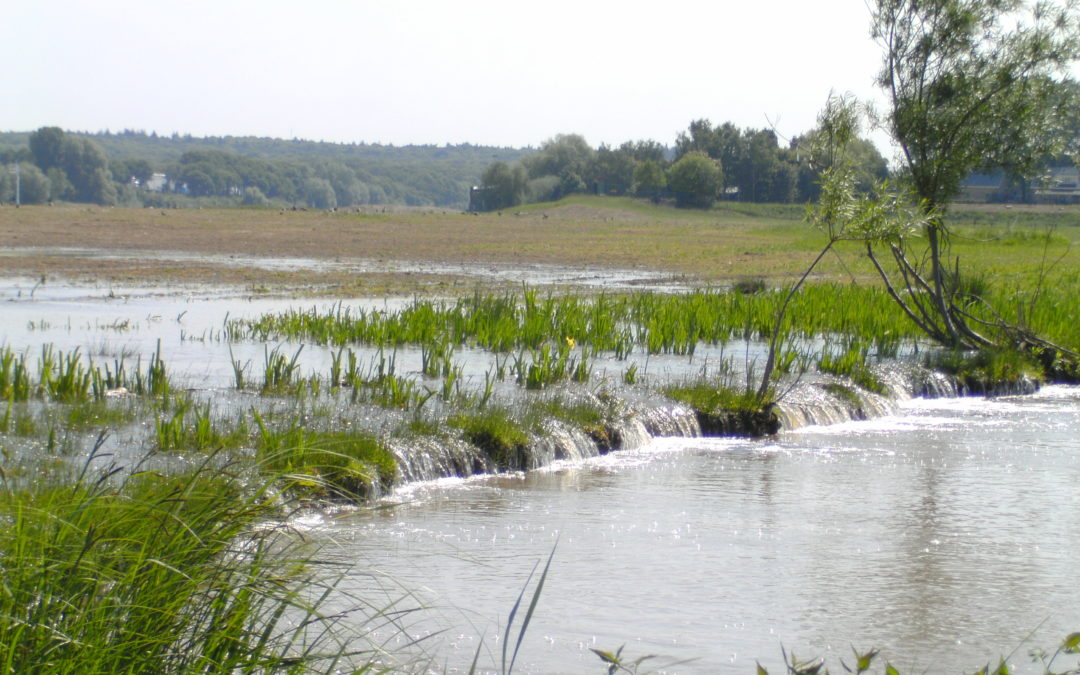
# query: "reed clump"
[[989, 371], [723, 410], [127, 570], [343, 465], [497, 434]]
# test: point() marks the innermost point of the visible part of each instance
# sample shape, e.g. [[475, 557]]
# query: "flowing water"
[[944, 535], [942, 532]]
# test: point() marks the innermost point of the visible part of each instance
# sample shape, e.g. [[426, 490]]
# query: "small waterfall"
[[560, 441], [832, 402], [669, 420], [926, 383], [634, 423], [631, 433], [428, 458]]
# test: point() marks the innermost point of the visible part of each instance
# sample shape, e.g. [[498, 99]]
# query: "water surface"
[[943, 536]]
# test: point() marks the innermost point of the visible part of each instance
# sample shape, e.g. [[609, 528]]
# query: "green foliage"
[[502, 186], [253, 196], [988, 371], [724, 409], [497, 434], [973, 84], [649, 179], [138, 572], [695, 180], [349, 465], [851, 363], [34, 186]]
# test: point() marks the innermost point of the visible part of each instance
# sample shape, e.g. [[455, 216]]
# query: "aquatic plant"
[[279, 371], [725, 410], [495, 432], [851, 363], [988, 371], [190, 427], [350, 465]]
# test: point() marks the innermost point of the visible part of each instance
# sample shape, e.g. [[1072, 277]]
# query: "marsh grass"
[[496, 432], [126, 570], [348, 465], [988, 371], [191, 427], [69, 377], [725, 409], [851, 363]]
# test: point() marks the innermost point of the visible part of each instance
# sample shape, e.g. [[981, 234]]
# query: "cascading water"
[[425, 458]]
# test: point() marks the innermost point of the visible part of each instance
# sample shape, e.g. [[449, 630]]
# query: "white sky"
[[488, 72]]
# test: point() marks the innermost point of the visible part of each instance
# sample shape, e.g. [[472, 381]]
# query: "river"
[[944, 536]]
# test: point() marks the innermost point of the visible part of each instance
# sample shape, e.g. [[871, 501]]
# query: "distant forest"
[[133, 168], [707, 162]]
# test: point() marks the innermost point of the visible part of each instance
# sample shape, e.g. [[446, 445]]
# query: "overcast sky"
[[488, 72]]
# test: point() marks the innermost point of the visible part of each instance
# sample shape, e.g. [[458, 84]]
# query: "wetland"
[[451, 397]]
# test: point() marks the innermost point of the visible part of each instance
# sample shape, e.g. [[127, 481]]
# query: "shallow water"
[[944, 536]]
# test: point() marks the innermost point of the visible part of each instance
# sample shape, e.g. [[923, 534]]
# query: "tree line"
[[117, 168], [708, 162]]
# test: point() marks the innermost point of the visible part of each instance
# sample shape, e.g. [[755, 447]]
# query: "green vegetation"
[[971, 85], [68, 377], [497, 434], [724, 410], [118, 168], [989, 371], [851, 363], [115, 570], [350, 465], [746, 165]]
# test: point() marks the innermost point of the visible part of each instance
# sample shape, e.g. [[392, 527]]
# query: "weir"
[[830, 401]]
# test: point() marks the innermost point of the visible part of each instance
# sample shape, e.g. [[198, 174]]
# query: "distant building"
[[983, 187], [156, 183], [1060, 186]]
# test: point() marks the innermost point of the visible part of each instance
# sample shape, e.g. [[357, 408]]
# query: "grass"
[[988, 371], [496, 433], [127, 570], [343, 465], [724, 409]]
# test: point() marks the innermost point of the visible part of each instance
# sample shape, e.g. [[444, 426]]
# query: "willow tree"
[[971, 84]]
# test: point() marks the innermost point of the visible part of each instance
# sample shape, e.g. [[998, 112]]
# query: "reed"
[[851, 363], [122, 570]]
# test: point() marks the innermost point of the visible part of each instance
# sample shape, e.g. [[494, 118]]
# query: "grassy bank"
[[730, 242]]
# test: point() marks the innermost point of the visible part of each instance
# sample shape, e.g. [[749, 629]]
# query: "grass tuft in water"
[[988, 371], [328, 464], [495, 432]]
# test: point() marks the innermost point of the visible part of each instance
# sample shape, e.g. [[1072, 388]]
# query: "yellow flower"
[[570, 342]]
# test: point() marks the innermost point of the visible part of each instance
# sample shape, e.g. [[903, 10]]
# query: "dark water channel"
[[945, 536]]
